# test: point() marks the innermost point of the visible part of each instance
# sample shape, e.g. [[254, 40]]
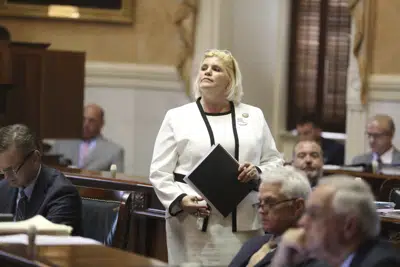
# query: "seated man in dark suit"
[[29, 188], [308, 129], [340, 226], [282, 195], [307, 157]]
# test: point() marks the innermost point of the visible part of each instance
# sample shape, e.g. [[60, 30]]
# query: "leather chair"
[[106, 216], [390, 191]]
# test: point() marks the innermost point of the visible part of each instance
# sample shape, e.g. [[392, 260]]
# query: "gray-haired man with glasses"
[[30, 188], [282, 195]]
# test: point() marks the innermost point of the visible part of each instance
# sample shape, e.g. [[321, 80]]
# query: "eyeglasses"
[[376, 135], [12, 171], [264, 205]]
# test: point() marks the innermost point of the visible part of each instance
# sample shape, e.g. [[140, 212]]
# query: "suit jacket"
[[367, 158], [376, 253], [100, 158], [333, 152], [253, 245], [53, 196]]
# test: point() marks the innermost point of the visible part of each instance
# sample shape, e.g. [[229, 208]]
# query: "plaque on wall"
[[117, 11]]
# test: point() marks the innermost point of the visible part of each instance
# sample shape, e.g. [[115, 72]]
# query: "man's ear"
[[299, 205], [350, 227], [38, 155]]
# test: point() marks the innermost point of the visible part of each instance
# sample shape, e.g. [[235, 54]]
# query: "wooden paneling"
[[5, 63], [46, 91], [62, 97], [23, 100]]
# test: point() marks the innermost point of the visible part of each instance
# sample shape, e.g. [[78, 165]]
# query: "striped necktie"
[[20, 211]]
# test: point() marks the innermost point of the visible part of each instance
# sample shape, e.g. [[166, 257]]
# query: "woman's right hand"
[[190, 204]]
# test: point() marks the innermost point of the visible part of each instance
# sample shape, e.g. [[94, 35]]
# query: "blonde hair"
[[235, 92]]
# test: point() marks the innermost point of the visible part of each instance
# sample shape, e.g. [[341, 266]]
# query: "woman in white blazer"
[[196, 233]]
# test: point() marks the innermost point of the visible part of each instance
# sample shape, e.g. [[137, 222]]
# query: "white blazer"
[[182, 141]]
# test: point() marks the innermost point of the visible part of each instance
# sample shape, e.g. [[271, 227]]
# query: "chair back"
[[390, 191], [105, 216]]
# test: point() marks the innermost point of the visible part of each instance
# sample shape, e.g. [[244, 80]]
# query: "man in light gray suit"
[[94, 152], [380, 131]]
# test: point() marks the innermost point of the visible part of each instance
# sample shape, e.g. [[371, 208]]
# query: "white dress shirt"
[[386, 157], [348, 261]]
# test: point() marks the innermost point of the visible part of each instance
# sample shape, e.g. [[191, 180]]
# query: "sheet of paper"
[[48, 240], [41, 224]]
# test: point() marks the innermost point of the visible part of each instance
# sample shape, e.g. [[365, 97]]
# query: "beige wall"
[[153, 37], [386, 52]]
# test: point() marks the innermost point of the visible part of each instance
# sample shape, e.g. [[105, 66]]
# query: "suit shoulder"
[[246, 108], [62, 142], [381, 253], [112, 145], [362, 158], [257, 241], [56, 179]]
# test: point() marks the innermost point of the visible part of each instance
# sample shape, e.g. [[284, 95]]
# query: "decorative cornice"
[[132, 76], [384, 87]]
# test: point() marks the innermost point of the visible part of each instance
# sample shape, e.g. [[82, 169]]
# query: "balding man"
[[308, 157], [93, 152], [380, 131], [340, 226]]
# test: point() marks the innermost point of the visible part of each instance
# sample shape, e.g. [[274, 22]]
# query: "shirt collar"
[[387, 153], [348, 260], [29, 189]]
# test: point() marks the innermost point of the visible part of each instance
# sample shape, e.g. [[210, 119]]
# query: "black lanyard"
[[212, 141]]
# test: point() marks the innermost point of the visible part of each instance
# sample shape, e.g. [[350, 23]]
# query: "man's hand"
[[291, 249]]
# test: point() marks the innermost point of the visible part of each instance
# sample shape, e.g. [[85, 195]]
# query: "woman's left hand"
[[247, 172]]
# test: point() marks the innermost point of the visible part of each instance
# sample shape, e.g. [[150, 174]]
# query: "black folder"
[[215, 178]]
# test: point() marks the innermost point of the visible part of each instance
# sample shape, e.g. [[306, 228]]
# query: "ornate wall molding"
[[131, 76], [362, 12], [384, 87]]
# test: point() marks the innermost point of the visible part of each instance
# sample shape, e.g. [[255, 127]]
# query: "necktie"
[[379, 160], [20, 211], [262, 252]]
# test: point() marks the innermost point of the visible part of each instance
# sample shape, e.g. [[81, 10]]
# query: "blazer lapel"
[[95, 153], [75, 153], [9, 198], [38, 194], [361, 252], [396, 156]]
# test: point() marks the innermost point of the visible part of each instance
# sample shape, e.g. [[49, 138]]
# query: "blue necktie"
[[20, 211]]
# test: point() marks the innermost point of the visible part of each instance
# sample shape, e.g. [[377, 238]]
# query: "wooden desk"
[[374, 180], [73, 256]]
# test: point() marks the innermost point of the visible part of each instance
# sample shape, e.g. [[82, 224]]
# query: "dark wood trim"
[[291, 96], [320, 81]]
